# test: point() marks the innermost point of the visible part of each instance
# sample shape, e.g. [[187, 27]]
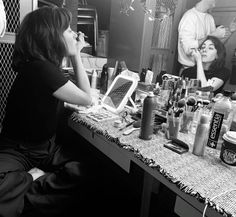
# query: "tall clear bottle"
[[220, 121], [94, 79]]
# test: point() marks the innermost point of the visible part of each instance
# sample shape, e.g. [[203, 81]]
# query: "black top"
[[32, 110], [223, 74]]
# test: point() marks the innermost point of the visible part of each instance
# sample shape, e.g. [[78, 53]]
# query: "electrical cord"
[[204, 211]]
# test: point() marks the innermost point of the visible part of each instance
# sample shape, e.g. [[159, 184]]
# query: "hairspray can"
[[147, 117]]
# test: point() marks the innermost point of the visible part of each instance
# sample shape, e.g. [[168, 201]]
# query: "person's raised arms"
[[78, 93], [200, 71]]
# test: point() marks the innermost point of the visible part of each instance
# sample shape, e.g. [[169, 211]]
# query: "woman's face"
[[70, 39], [208, 52]]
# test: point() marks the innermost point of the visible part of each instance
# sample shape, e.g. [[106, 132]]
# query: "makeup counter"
[[180, 151]]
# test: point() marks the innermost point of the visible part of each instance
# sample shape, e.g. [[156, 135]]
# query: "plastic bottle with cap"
[[147, 120], [220, 121], [94, 79]]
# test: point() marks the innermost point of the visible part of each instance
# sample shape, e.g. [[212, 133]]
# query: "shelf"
[[47, 3], [86, 8], [85, 16], [85, 22]]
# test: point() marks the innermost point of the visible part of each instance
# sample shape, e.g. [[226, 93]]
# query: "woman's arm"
[[186, 34], [81, 76], [80, 94], [200, 71], [79, 70], [216, 83], [70, 93]]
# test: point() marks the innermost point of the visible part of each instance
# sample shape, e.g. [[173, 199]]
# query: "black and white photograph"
[[87, 92]]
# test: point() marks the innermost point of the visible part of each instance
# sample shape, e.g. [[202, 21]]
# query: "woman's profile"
[[33, 165]]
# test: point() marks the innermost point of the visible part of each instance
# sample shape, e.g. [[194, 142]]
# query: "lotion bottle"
[[94, 79]]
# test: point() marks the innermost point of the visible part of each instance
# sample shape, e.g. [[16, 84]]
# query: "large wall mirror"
[[139, 41]]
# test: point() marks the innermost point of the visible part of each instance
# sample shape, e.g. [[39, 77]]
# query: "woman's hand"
[[232, 26], [228, 32], [196, 55], [81, 42], [36, 173], [220, 32]]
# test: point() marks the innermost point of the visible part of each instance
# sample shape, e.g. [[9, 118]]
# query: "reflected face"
[[211, 3], [70, 40], [208, 52]]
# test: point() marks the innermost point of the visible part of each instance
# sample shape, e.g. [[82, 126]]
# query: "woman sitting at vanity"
[[210, 64]]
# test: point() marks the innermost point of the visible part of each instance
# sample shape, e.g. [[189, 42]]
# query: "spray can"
[[220, 121], [147, 121]]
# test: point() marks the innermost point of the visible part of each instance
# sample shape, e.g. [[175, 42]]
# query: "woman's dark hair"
[[221, 53], [40, 36]]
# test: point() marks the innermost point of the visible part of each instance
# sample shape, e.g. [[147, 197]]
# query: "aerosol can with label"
[[148, 116], [220, 121]]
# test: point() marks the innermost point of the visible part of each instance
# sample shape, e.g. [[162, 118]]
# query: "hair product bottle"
[[147, 121], [220, 121]]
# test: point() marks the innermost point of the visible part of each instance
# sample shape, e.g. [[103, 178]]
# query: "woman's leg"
[[14, 181], [53, 193]]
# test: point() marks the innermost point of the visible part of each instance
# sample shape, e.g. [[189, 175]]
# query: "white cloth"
[[3, 22], [193, 26]]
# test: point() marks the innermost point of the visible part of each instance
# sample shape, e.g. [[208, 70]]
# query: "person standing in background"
[[195, 25], [3, 21]]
